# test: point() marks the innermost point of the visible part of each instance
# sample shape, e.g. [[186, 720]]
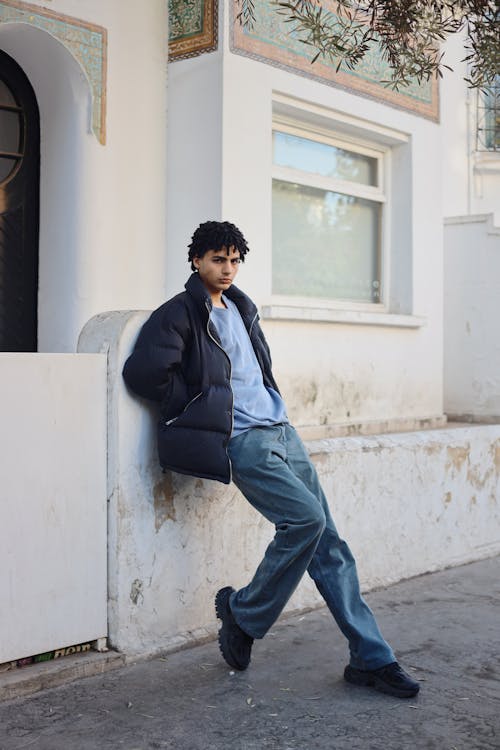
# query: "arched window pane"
[[6, 167], [10, 131], [6, 96]]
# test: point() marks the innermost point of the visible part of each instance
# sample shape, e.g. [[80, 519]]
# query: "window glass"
[[325, 244], [9, 131], [328, 217], [488, 117], [6, 167], [6, 96], [322, 158], [492, 118]]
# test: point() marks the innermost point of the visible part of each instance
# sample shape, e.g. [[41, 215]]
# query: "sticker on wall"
[[192, 27], [270, 41], [85, 41]]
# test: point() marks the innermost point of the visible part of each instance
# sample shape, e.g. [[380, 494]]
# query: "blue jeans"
[[272, 469]]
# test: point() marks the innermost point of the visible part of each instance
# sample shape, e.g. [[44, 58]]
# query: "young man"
[[204, 357]]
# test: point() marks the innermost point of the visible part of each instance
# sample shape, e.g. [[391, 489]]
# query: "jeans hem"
[[239, 622], [372, 665]]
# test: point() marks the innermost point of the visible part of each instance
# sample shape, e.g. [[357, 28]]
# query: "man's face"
[[217, 268]]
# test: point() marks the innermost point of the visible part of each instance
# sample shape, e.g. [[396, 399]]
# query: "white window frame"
[[378, 194]]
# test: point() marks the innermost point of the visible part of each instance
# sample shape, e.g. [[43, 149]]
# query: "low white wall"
[[471, 312], [407, 503], [52, 502]]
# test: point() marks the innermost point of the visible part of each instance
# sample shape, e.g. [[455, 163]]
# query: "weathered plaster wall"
[[471, 312], [408, 503], [414, 502], [351, 373]]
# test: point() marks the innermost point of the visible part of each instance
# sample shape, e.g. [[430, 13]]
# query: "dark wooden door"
[[19, 208]]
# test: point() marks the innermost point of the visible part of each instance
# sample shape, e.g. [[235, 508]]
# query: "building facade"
[[372, 218]]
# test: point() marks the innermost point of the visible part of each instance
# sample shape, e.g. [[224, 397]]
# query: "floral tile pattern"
[[86, 42], [272, 41], [192, 27]]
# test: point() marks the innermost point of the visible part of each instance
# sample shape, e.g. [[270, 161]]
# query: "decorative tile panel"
[[86, 42], [272, 41], [192, 28]]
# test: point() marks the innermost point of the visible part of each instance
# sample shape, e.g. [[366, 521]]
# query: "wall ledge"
[[487, 219], [330, 315], [372, 427], [444, 436]]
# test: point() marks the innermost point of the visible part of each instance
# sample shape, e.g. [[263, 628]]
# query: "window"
[[488, 118], [10, 132], [328, 215]]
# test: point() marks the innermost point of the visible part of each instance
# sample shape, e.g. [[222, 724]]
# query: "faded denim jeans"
[[272, 469]]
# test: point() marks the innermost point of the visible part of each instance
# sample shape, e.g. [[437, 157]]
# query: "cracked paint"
[[136, 591]]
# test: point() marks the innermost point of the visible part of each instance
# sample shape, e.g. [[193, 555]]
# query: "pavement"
[[445, 628]]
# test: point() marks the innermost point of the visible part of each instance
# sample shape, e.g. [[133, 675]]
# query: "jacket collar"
[[196, 289]]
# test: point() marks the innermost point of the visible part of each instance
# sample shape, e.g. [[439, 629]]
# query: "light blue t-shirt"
[[254, 404]]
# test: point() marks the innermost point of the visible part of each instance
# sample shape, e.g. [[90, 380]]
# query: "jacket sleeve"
[[158, 352]]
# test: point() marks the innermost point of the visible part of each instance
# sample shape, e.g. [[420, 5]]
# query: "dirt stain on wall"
[[432, 449], [163, 496], [477, 478], [457, 457], [496, 456]]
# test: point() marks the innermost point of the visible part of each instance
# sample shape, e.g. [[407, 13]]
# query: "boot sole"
[[221, 636], [219, 606]]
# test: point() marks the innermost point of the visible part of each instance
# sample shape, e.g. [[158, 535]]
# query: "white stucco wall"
[[195, 148], [471, 311], [53, 514], [407, 503], [102, 220], [346, 372]]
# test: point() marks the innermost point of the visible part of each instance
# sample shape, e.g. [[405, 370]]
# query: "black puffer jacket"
[[178, 360]]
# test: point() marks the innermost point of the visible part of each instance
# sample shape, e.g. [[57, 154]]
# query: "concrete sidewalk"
[[445, 628]]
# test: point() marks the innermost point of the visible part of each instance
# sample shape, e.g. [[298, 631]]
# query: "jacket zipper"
[[230, 385], [251, 324], [185, 408]]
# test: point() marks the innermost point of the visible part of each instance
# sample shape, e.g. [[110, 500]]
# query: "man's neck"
[[217, 300]]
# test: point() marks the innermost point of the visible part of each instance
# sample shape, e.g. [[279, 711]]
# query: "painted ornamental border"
[[271, 41], [193, 28], [86, 42]]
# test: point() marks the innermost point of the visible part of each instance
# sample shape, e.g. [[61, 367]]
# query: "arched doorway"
[[19, 208]]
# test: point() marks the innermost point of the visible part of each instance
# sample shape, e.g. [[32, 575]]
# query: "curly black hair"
[[215, 235]]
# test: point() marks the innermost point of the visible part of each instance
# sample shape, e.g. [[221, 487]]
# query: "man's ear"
[[196, 261]]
